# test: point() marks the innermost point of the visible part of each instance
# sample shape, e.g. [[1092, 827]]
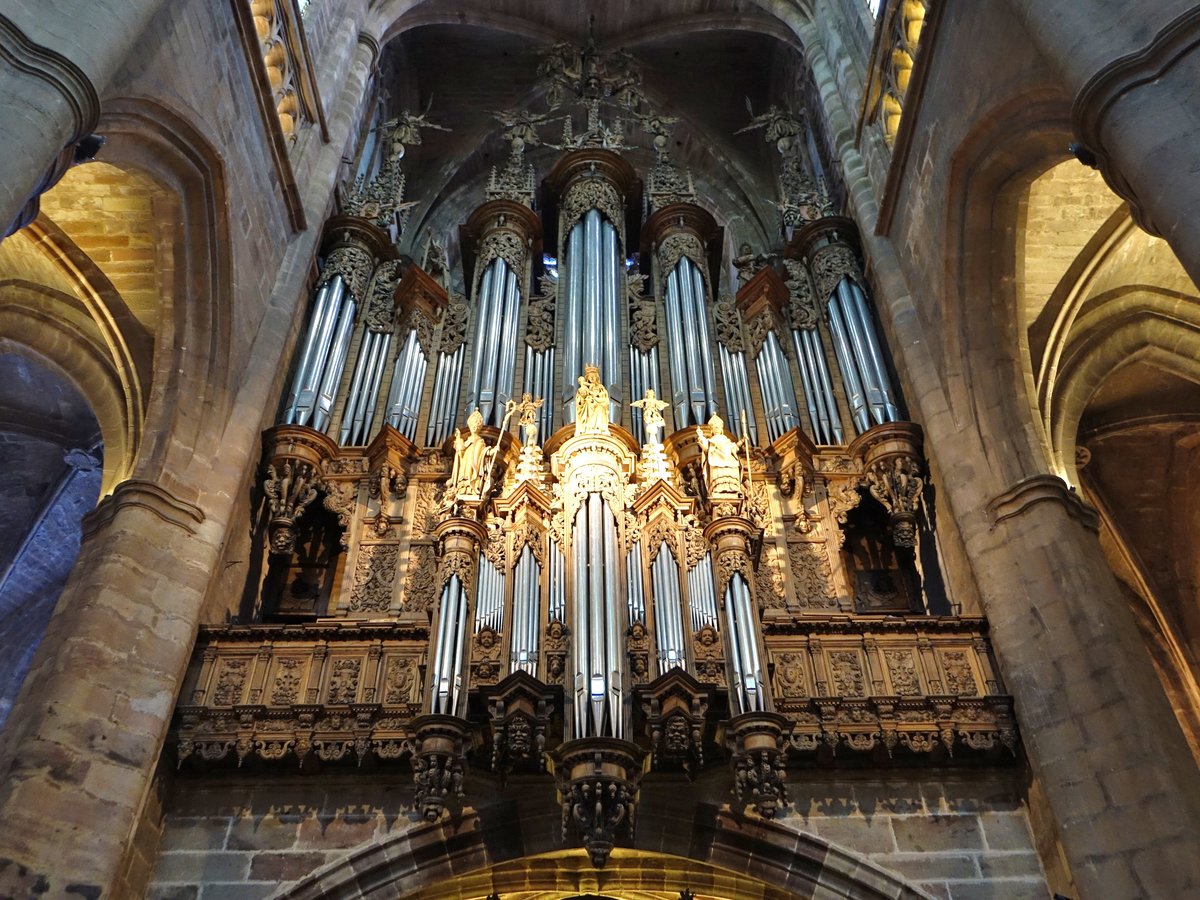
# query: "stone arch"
[[192, 340], [494, 849]]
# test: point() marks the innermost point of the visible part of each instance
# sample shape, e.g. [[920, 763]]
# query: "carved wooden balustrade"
[[880, 686]]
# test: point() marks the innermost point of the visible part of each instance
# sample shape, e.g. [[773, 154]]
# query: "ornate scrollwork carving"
[[832, 263], [380, 315], [593, 193], [729, 324], [374, 574], [353, 263], [769, 581], [811, 572], [420, 587], [802, 306], [539, 330], [454, 324], [677, 245], [340, 499], [643, 320], [505, 244]]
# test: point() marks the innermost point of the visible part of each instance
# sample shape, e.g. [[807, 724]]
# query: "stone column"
[[1101, 737], [81, 744], [56, 58], [1133, 68]]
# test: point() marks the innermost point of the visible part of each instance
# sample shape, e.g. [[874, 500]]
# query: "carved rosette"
[[757, 744], [439, 763], [894, 474], [598, 781], [295, 457]]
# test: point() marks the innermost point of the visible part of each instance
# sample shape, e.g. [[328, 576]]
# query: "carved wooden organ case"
[[481, 553]]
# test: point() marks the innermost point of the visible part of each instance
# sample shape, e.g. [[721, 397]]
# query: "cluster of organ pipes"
[[448, 355]]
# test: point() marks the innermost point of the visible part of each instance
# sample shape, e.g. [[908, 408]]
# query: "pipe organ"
[[535, 520]]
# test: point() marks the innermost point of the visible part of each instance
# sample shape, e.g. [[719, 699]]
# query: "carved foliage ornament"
[[832, 263], [353, 263], [454, 325], [897, 484], [380, 316], [420, 588], [677, 245], [729, 324], [643, 320], [374, 574], [539, 330], [593, 193], [811, 573], [289, 489], [802, 307], [505, 244]]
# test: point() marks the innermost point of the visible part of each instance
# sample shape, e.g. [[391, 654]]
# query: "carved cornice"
[[147, 495], [1039, 489], [1094, 100], [47, 65]]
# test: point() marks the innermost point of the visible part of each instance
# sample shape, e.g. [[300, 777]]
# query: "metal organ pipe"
[[693, 388], [444, 409], [739, 610], [527, 617], [592, 324], [737, 390], [334, 365], [404, 395], [448, 658], [498, 304], [636, 593], [818, 389], [879, 395], [703, 597], [850, 373], [668, 621], [775, 379], [332, 322], [359, 413], [598, 631]]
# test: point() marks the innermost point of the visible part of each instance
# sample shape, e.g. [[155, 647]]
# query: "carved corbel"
[[295, 458], [893, 471], [598, 781], [675, 708], [757, 743], [439, 764]]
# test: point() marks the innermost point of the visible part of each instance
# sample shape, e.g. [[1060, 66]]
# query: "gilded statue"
[[467, 474], [527, 417], [591, 403], [722, 467], [652, 417]]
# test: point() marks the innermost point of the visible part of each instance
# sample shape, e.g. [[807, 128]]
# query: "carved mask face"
[[676, 737], [520, 737]]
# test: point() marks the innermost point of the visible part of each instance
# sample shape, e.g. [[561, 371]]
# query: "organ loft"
[[513, 450]]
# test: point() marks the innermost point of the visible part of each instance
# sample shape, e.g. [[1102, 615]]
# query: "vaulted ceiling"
[[703, 61]]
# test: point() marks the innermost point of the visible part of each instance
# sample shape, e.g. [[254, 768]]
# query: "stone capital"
[[1027, 492], [148, 496]]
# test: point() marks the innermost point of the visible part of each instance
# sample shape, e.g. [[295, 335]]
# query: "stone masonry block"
[[937, 833]]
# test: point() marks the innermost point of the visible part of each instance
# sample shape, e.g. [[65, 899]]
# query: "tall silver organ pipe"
[[449, 649], [635, 593], [818, 387], [323, 357], [743, 644], [778, 391], [668, 611], [498, 306], [444, 408], [408, 379], [737, 390], [702, 595], [557, 608], [527, 613], [860, 357], [693, 392], [489, 599], [359, 413], [598, 625], [590, 292]]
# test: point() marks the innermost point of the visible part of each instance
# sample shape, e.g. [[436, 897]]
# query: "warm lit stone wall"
[[955, 835]]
